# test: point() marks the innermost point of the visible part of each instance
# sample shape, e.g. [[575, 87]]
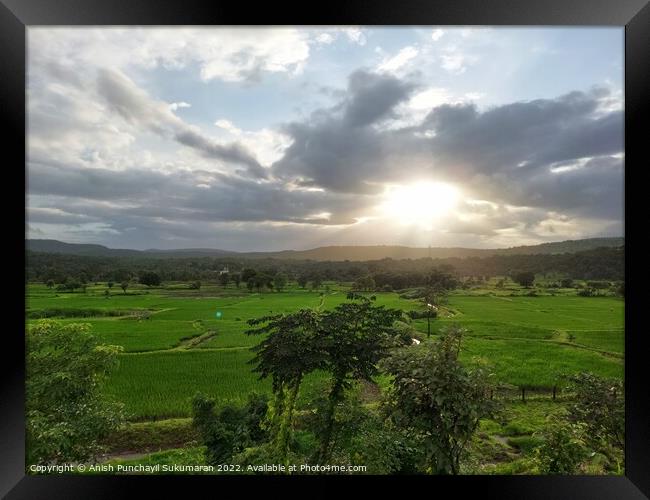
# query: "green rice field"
[[174, 346]]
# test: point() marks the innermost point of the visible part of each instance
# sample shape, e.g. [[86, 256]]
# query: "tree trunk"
[[284, 430], [333, 399]]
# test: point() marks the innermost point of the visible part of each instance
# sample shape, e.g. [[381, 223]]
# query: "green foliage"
[[66, 412], [124, 285], [150, 278], [355, 336], [280, 281], [247, 274], [385, 449], [224, 279], [70, 285], [438, 399], [302, 280], [563, 450], [422, 314], [524, 278], [365, 283], [231, 429], [152, 435], [600, 405], [289, 351], [77, 312], [316, 281]]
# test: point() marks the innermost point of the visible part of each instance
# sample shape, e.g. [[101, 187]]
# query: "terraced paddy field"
[[175, 346]]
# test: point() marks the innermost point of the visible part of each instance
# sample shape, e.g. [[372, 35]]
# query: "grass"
[[528, 340], [538, 364], [162, 384], [152, 436]]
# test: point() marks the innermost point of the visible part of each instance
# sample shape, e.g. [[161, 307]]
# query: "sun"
[[421, 203]]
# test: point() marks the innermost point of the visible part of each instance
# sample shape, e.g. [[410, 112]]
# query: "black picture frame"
[[634, 15]]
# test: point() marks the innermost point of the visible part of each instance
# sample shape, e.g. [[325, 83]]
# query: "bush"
[[563, 450], [67, 414], [566, 283], [149, 278], [525, 278], [599, 285], [437, 398], [415, 314], [385, 449], [231, 429], [600, 406]]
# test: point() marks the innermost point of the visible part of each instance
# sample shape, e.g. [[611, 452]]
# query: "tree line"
[[596, 264]]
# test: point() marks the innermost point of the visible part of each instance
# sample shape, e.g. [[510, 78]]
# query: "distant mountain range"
[[332, 253]]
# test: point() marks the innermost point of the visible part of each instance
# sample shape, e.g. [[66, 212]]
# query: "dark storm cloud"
[[372, 97], [337, 149], [136, 107], [505, 153], [234, 153], [536, 133], [183, 195]]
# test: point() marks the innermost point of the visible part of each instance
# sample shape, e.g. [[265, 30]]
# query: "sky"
[[273, 138]]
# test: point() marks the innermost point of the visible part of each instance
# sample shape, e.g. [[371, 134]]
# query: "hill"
[[331, 253]]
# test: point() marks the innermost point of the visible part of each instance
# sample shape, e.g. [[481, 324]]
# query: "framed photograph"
[[268, 245]]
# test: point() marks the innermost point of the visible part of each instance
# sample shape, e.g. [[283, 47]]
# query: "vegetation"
[[66, 413], [439, 399], [341, 365], [231, 429]]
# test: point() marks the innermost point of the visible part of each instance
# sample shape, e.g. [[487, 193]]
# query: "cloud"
[[112, 161], [123, 198], [437, 34], [398, 61], [372, 97], [337, 149], [136, 107], [325, 38], [356, 35], [507, 153], [178, 105], [227, 54]]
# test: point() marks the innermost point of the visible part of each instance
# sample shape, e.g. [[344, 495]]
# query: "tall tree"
[[247, 274], [289, 351], [302, 280], [354, 337], [150, 278], [280, 281], [524, 278], [224, 279]]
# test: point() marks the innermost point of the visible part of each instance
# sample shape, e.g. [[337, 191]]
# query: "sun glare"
[[421, 203]]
